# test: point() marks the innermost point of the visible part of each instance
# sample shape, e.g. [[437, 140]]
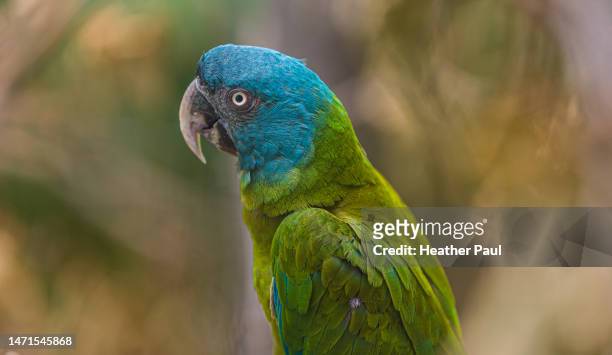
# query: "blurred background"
[[112, 230]]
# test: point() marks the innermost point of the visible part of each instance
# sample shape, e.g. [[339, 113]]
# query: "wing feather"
[[331, 297]]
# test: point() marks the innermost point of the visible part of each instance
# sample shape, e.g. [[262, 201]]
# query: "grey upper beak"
[[192, 117], [198, 118]]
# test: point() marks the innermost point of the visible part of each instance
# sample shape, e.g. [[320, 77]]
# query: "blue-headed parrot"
[[304, 180]]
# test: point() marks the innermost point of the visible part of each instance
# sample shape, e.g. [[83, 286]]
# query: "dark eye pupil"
[[239, 98]]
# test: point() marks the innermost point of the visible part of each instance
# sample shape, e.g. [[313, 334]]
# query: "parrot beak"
[[198, 118]]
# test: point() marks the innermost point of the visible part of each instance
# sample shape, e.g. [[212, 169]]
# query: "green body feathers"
[[331, 297]]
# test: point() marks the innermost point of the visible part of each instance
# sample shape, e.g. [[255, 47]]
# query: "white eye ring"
[[239, 99]]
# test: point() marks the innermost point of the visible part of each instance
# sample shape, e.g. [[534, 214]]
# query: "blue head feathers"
[[267, 103]]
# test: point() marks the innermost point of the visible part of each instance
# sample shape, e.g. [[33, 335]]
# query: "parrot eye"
[[240, 99]]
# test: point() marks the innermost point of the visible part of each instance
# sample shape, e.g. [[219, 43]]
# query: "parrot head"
[[256, 103]]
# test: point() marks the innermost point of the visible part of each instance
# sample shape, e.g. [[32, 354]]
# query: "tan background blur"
[[111, 230]]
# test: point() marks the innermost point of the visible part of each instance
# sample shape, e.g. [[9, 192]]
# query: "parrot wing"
[[329, 295]]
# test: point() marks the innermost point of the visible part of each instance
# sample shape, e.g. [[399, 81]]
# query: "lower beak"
[[198, 118]]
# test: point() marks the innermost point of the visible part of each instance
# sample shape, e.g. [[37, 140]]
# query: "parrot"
[[304, 180]]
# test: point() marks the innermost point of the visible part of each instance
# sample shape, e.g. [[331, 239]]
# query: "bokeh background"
[[111, 229]]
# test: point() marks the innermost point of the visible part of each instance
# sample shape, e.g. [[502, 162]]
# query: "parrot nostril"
[[199, 85]]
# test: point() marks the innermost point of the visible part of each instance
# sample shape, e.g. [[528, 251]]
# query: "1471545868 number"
[[36, 341]]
